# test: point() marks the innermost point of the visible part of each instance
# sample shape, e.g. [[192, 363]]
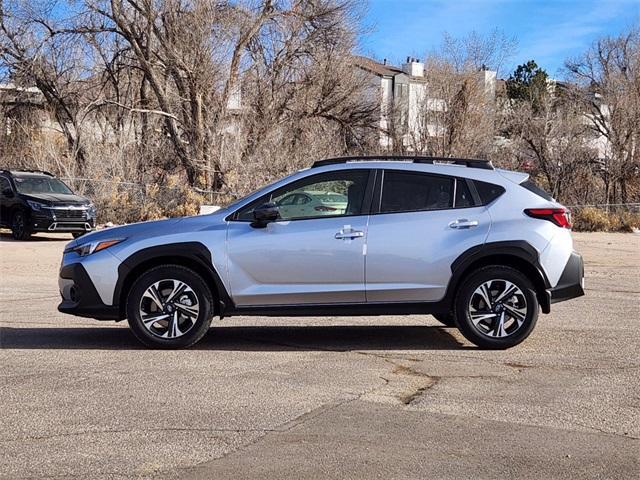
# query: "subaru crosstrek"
[[479, 248], [35, 201]]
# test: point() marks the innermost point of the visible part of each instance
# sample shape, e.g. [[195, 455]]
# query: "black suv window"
[[36, 184], [4, 184], [411, 192]]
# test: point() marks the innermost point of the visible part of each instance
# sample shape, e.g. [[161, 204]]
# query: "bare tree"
[[42, 52], [549, 136], [455, 111], [609, 74], [143, 89]]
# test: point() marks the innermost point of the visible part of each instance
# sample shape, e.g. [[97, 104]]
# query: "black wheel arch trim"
[[194, 255], [522, 252]]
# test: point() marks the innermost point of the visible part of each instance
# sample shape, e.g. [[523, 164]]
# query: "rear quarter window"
[[488, 192], [532, 187]]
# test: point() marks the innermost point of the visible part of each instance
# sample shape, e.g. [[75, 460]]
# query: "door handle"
[[347, 235], [463, 223]]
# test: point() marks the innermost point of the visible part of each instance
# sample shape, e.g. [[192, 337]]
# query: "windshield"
[[31, 185]]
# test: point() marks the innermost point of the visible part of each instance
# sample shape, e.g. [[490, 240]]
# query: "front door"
[[313, 254], [6, 200]]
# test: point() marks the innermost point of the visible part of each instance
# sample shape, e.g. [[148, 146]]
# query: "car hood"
[[54, 198], [153, 228]]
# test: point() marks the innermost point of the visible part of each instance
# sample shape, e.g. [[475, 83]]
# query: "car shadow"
[[234, 338], [36, 237]]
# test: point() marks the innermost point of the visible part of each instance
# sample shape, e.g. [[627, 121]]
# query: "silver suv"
[[479, 248]]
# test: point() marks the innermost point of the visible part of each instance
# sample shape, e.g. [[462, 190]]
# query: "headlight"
[[91, 210], [93, 247], [37, 206]]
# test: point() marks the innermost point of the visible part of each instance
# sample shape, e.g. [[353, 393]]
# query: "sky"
[[547, 31]]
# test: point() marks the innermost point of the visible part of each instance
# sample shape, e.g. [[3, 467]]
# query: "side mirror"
[[265, 213], [7, 192]]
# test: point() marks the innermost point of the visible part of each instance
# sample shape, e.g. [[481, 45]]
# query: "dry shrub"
[[625, 222], [174, 198], [591, 219]]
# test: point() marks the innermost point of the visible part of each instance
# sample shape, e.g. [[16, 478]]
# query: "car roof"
[[420, 159], [28, 173], [448, 169]]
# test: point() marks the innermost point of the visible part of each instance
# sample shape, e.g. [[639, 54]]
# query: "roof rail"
[[26, 170], [471, 163]]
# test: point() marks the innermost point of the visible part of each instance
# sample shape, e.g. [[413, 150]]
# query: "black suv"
[[35, 201]]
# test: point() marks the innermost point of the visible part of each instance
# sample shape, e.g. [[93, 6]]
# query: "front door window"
[[332, 194]]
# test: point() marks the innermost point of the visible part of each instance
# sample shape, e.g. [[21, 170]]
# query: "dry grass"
[[591, 219]]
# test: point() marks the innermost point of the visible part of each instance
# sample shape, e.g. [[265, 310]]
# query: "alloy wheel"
[[169, 308], [18, 225], [498, 308]]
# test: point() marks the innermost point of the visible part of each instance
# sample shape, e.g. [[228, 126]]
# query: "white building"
[[404, 91]]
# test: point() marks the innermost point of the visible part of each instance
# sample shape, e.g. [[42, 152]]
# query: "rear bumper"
[[79, 295], [571, 283]]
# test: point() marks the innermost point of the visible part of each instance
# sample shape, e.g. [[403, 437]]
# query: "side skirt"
[[337, 310]]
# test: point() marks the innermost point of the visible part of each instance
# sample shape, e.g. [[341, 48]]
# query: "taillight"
[[324, 208], [560, 216]]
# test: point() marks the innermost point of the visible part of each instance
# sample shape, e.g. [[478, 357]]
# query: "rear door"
[[420, 224]]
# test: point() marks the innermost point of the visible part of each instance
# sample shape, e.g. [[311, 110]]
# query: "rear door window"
[[463, 195], [413, 192]]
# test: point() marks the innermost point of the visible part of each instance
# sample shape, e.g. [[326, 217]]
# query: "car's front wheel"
[[20, 228], [169, 306], [496, 307]]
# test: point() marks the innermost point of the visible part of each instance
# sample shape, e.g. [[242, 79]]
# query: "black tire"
[[448, 320], [199, 291], [20, 228], [483, 335], [77, 234]]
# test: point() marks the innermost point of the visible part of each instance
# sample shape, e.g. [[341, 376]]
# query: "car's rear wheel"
[[496, 307], [169, 306], [20, 227]]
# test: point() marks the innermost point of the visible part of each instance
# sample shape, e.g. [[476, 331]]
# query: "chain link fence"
[[126, 202], [96, 188]]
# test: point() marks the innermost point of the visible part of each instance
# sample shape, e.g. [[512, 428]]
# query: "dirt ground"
[[367, 397]]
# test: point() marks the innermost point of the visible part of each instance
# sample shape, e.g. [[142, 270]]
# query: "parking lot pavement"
[[366, 397]]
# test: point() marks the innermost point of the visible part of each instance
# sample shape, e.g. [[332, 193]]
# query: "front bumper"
[[42, 223], [79, 295], [571, 283]]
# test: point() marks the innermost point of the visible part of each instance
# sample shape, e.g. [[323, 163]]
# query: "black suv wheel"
[[496, 307], [169, 306], [20, 226]]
